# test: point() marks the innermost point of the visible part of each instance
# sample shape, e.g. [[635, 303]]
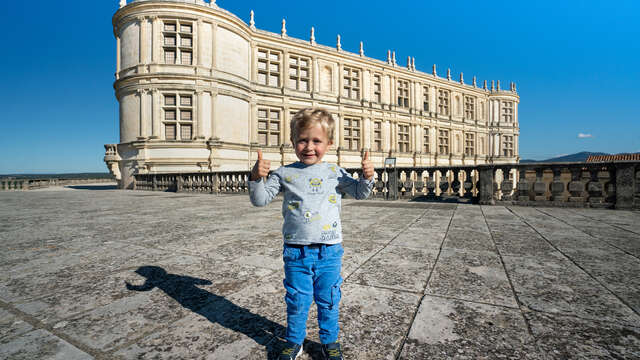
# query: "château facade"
[[200, 90]]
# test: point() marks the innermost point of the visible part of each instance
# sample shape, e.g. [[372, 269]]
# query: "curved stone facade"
[[200, 90]]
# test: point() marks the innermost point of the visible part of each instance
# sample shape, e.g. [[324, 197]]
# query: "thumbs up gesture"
[[261, 168], [367, 167]]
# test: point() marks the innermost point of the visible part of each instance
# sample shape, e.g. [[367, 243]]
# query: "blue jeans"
[[312, 273]]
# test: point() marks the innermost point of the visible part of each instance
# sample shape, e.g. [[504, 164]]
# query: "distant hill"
[[581, 156], [59, 176]]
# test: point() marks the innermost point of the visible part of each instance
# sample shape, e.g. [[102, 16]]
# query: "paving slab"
[[117, 274]]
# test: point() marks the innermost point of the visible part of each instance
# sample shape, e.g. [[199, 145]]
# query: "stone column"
[[198, 49], [155, 114], [118, 56], [142, 21], [199, 109], [143, 113], [155, 39], [625, 185], [214, 99]]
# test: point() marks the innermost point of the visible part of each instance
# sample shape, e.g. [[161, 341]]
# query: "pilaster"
[[142, 131], [199, 108], [155, 115], [155, 39]]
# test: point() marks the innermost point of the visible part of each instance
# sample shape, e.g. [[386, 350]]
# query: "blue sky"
[[575, 64]]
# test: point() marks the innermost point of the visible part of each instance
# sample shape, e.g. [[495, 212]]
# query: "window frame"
[[377, 88], [268, 61], [507, 145], [348, 127], [348, 77], [469, 144], [268, 121], [469, 107], [444, 102], [179, 109], [178, 35], [506, 110], [404, 138], [443, 141], [403, 93], [426, 146], [297, 77], [377, 135]]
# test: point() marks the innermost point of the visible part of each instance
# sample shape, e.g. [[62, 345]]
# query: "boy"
[[312, 232]]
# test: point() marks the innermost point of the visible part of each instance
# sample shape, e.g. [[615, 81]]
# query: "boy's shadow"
[[218, 309]]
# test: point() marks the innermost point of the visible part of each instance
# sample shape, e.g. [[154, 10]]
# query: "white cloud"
[[584, 136]]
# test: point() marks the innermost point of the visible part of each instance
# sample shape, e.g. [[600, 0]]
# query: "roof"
[[618, 157]]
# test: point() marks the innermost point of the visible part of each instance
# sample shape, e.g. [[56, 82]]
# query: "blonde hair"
[[306, 118]]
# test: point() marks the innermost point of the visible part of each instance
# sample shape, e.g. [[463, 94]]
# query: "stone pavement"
[[94, 273]]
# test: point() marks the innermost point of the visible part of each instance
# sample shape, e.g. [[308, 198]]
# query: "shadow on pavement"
[[93, 187], [218, 309]]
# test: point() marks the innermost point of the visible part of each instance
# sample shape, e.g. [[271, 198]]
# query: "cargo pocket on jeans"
[[291, 298], [336, 294]]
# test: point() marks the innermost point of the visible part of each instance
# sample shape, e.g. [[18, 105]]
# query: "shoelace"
[[288, 351], [334, 352]]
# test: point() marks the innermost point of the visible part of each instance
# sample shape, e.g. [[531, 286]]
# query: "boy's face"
[[311, 144]]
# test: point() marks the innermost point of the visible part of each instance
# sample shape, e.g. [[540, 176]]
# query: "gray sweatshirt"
[[312, 195]]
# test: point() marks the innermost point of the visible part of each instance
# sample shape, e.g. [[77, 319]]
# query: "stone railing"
[[30, 184], [606, 185]]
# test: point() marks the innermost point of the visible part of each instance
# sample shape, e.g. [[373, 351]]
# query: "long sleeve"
[[357, 188], [262, 192]]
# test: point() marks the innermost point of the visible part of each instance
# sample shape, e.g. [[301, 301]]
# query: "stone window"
[[425, 98], [403, 138], [377, 88], [299, 74], [403, 93], [443, 102], [351, 83], [377, 136], [178, 116], [425, 140], [269, 62], [469, 144], [351, 133], [443, 141], [178, 45], [507, 111], [469, 107], [268, 127], [507, 145]]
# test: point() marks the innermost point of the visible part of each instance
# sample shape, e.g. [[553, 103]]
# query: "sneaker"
[[332, 351], [290, 351]]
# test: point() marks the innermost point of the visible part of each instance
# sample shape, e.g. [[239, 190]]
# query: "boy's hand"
[[367, 167], [261, 168]]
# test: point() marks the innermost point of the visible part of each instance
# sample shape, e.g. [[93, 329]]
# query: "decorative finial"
[[448, 73], [123, 3], [283, 32], [493, 85], [389, 57], [498, 85], [409, 62], [338, 44], [413, 63], [433, 70], [461, 78], [312, 38], [475, 84], [485, 85], [252, 23], [513, 86], [361, 49], [393, 58]]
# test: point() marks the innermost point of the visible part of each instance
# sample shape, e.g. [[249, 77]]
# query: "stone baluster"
[[497, 191], [557, 186], [595, 187], [468, 184], [431, 185], [523, 186], [444, 183], [419, 184], [379, 184], [540, 187], [455, 184], [576, 186], [507, 184]]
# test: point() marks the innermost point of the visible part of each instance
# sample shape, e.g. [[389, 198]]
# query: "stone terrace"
[[109, 274]]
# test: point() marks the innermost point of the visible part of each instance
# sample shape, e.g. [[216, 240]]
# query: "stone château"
[[200, 90]]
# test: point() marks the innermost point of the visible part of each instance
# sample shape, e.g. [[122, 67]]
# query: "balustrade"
[[613, 184]]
